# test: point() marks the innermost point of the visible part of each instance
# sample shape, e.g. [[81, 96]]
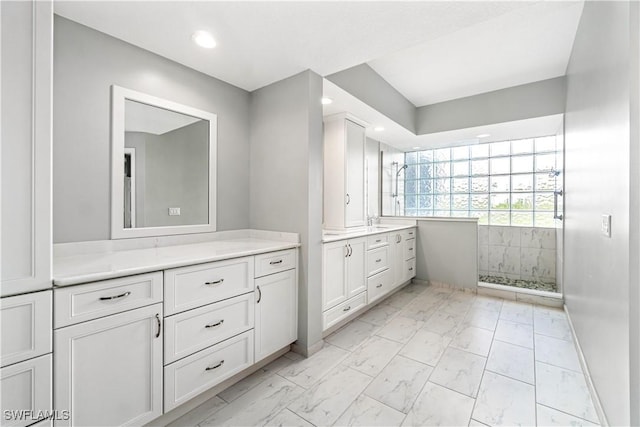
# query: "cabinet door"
[[276, 311], [398, 259], [109, 370], [334, 258], [25, 386], [357, 267], [354, 198]]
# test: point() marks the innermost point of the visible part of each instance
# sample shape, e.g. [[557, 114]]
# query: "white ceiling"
[[430, 51], [263, 42], [526, 45]]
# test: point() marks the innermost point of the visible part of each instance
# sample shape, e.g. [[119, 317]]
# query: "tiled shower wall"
[[517, 252]]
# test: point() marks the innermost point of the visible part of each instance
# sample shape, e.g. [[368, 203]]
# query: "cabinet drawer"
[[379, 285], [192, 375], [198, 285], [410, 268], [409, 249], [275, 262], [26, 327], [193, 330], [26, 386], [409, 234], [377, 260], [377, 240], [341, 311], [75, 304]]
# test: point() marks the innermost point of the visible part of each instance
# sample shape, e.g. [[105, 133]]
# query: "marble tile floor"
[[444, 357]]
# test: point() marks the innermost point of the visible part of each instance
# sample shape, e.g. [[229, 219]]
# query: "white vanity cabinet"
[[408, 255], [108, 370], [344, 183], [27, 60], [25, 356], [343, 271], [276, 315]]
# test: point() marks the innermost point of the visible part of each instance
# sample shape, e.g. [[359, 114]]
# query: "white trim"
[[587, 375], [118, 96]]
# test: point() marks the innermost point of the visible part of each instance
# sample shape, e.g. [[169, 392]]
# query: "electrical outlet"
[[606, 225], [174, 211]]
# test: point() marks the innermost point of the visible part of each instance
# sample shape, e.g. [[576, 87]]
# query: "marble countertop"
[[72, 269], [333, 236]]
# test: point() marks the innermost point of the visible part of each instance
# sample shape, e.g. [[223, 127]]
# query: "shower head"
[[401, 169]]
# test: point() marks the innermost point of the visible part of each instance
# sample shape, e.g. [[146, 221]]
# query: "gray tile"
[[372, 356], [473, 340], [399, 299], [460, 371], [514, 333], [552, 323], [512, 361], [426, 347], [308, 371], [439, 406], [565, 391], [380, 315], [444, 323], [505, 401], [456, 306], [517, 312], [399, 383], [258, 406], [366, 411], [557, 352], [247, 383], [351, 335], [419, 309], [551, 417], [286, 418], [200, 413], [487, 303], [481, 318], [323, 403], [400, 329]]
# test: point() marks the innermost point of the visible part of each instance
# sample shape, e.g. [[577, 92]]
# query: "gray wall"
[[177, 176], [447, 252], [365, 84], [597, 144], [286, 181], [537, 99], [86, 64]]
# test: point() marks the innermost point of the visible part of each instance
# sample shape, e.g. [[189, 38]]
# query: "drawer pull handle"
[[410, 249], [159, 325], [213, 325], [215, 282], [379, 240], [410, 268], [126, 294], [276, 262], [346, 309], [379, 259], [259, 295], [211, 368], [379, 286]]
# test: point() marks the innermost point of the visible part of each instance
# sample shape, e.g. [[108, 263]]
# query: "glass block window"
[[500, 183]]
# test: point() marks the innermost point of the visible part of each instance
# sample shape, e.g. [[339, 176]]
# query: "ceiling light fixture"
[[326, 101], [378, 129], [203, 39], [483, 135]]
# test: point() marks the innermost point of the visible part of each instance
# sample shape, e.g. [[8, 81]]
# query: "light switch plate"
[[174, 211], [606, 225]]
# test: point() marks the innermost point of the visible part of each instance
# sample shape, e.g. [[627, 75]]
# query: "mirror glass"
[[164, 167]]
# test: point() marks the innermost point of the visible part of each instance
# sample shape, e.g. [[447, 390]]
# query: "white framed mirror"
[[163, 166]]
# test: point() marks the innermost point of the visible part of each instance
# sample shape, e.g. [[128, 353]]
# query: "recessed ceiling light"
[[326, 101], [203, 39], [483, 135], [378, 129]]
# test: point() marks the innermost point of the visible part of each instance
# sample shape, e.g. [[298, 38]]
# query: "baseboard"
[[307, 351], [190, 405], [445, 285], [585, 368]]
